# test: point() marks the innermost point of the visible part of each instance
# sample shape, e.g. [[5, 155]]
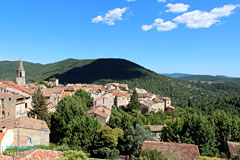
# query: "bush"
[[106, 153], [63, 148], [73, 155], [149, 154]]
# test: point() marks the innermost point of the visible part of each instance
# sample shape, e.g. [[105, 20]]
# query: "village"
[[17, 129]]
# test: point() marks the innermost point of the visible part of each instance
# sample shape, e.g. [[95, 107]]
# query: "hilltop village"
[[18, 129]]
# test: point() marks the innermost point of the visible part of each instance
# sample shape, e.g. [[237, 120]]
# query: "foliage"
[[39, 106], [85, 96], [149, 154], [123, 120], [73, 155], [75, 128], [133, 139], [106, 142], [192, 129], [106, 153], [209, 132], [63, 148], [134, 102], [45, 84], [156, 118]]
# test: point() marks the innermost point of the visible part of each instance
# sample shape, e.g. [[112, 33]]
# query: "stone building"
[[21, 74], [31, 132]]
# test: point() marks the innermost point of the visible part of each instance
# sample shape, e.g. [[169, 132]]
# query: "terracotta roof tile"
[[39, 154], [2, 157], [101, 111], [25, 122], [17, 87], [184, 151]]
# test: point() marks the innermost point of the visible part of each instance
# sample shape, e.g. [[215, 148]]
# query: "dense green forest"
[[198, 78]]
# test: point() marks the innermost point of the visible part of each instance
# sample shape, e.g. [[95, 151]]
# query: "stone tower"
[[20, 74]]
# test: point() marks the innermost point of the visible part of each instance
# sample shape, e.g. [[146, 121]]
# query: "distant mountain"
[[101, 71], [191, 77], [176, 75]]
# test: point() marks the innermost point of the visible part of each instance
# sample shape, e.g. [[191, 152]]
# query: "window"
[[25, 105], [30, 141]]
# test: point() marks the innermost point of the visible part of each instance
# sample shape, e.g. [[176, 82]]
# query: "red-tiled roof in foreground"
[[25, 122], [39, 154], [2, 157], [171, 150], [234, 148]]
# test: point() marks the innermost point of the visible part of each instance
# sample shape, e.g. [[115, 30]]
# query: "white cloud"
[[160, 25], [177, 8], [162, 1], [111, 16], [130, 0], [203, 19]]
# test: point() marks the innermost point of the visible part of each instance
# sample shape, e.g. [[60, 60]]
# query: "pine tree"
[[134, 102], [39, 106]]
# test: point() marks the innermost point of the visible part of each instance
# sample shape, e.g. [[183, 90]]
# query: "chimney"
[[4, 130]]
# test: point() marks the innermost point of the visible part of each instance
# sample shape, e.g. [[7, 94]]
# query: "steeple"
[[20, 67], [20, 74]]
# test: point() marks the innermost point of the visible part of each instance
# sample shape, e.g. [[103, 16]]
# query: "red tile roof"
[[25, 122], [2, 157], [17, 87], [184, 151], [100, 111], [39, 154]]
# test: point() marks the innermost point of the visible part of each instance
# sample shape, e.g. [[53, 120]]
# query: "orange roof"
[[183, 151], [25, 122], [100, 111], [17, 87], [10, 95], [3, 134], [66, 94], [36, 154]]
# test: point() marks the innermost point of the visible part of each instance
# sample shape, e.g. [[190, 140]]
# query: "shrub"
[[73, 155]]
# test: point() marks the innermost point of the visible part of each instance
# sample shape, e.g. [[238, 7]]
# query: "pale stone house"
[[53, 82], [12, 106], [32, 132], [101, 113]]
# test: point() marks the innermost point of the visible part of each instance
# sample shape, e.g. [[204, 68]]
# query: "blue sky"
[[199, 37]]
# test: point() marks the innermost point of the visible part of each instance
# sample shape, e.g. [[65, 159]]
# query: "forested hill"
[[101, 71], [199, 78]]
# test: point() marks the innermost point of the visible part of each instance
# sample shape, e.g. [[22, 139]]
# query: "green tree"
[[86, 97], [134, 102], [73, 155], [39, 106], [149, 154], [74, 127], [192, 129], [133, 139], [106, 142]]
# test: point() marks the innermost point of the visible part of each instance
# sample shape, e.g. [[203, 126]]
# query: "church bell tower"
[[20, 74]]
